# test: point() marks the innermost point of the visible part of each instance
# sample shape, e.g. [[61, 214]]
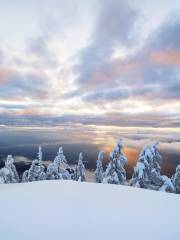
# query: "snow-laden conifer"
[[79, 172], [58, 168], [115, 172], [9, 174], [99, 168], [176, 179], [167, 185], [36, 171], [147, 170]]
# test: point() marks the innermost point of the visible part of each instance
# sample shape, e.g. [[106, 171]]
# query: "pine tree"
[[39, 154], [99, 168], [58, 168], [167, 185], [140, 174], [63, 166], [9, 174], [147, 170], [176, 179], [36, 171], [53, 170], [9, 164], [25, 176], [115, 172], [79, 172]]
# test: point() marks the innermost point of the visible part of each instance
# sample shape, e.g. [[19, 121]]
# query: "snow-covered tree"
[[99, 168], [155, 165], [9, 174], [25, 176], [176, 179], [36, 171], [79, 172], [115, 172], [140, 174], [4, 175], [39, 154], [58, 168], [147, 170], [167, 185], [9, 164]]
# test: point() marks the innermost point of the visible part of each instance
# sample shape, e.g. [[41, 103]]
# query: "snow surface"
[[75, 210]]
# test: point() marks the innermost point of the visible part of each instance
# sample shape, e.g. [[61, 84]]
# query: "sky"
[[95, 62]]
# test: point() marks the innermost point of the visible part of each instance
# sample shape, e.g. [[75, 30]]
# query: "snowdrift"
[[74, 210]]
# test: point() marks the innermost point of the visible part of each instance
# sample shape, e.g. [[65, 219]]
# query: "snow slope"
[[72, 210]]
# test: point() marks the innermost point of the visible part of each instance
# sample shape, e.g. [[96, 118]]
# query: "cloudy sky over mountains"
[[102, 62]]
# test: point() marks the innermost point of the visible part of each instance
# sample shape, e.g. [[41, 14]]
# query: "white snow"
[[69, 210]]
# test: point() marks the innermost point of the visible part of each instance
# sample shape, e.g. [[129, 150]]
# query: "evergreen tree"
[[9, 174], [115, 172], [25, 176], [53, 170], [176, 179], [79, 172], [140, 174], [147, 170], [36, 171], [39, 155], [4, 175], [10, 165], [167, 185], [99, 168], [58, 168]]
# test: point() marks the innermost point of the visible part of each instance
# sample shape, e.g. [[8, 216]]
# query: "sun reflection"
[[132, 154]]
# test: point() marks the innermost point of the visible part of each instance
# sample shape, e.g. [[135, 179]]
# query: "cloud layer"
[[102, 62]]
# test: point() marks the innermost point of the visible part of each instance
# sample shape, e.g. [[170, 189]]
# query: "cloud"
[[150, 75], [106, 96], [1, 56], [152, 71], [21, 85], [167, 36], [113, 28], [143, 72], [167, 58], [160, 60], [13, 106], [149, 119], [42, 53], [95, 67], [5, 74]]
